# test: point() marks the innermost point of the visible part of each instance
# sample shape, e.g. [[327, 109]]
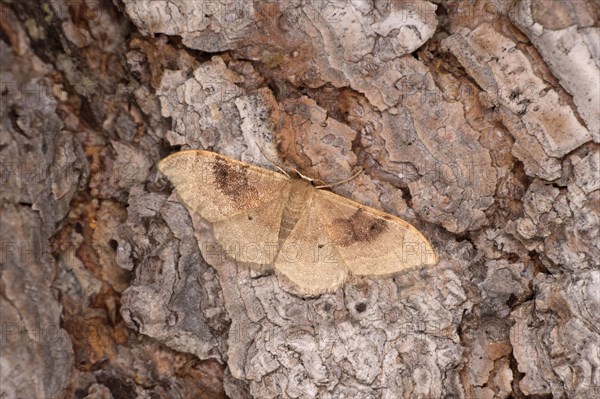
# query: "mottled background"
[[477, 121]]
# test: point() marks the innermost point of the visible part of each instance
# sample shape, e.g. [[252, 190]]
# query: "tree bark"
[[478, 122]]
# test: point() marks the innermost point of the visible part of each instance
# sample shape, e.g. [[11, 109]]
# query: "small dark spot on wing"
[[113, 244]]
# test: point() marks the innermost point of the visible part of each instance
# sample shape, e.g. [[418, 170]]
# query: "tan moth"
[[312, 237]]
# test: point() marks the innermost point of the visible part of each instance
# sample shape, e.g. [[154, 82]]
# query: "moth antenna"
[[341, 181], [308, 179], [274, 164]]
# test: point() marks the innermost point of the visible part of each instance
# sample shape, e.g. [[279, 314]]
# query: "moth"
[[310, 236]]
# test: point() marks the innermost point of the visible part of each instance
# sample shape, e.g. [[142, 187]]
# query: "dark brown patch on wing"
[[232, 180], [359, 228]]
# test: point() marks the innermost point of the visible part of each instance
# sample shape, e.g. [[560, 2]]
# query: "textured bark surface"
[[477, 121]]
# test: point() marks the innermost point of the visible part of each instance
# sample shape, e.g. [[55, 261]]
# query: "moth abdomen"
[[293, 208], [286, 227], [291, 213]]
